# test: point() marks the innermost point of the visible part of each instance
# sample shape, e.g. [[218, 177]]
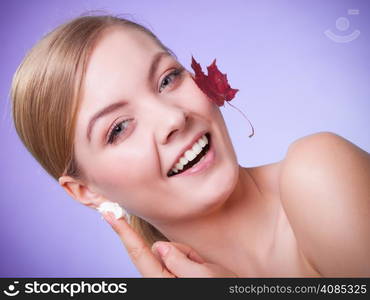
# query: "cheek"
[[121, 174], [198, 102], [204, 106]]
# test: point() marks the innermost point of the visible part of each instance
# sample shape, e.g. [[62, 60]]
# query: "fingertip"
[[125, 216], [109, 217], [159, 244], [155, 246], [163, 249]]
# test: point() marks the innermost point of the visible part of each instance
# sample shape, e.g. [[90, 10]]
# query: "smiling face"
[[132, 128]]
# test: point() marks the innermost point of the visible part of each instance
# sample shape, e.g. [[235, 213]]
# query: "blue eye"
[[166, 81], [116, 131], [118, 128]]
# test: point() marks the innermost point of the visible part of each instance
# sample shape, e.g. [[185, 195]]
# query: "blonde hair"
[[45, 95]]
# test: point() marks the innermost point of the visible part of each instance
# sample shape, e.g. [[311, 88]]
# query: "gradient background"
[[293, 81]]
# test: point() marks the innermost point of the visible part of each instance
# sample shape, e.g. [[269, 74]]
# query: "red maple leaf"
[[215, 84]]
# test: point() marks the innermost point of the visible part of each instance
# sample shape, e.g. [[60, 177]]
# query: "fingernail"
[[163, 249], [125, 216], [109, 217]]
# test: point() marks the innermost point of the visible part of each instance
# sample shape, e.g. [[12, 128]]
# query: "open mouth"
[[193, 162]]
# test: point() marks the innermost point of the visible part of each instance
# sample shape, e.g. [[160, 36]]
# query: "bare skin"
[[229, 220], [282, 251]]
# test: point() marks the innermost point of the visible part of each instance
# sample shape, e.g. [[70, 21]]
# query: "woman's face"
[[132, 147]]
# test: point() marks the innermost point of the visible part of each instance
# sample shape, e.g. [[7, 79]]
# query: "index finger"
[[145, 261]]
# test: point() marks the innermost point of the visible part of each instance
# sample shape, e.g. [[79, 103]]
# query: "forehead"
[[121, 47], [118, 62]]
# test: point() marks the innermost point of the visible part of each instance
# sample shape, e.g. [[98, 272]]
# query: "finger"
[[180, 265], [188, 251], [139, 252], [156, 254]]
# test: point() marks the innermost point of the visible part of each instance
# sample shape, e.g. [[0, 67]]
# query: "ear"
[[80, 191]]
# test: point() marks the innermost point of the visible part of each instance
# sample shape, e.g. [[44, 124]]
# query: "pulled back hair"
[[46, 91]]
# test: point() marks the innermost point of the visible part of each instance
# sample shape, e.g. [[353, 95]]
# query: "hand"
[[179, 261]]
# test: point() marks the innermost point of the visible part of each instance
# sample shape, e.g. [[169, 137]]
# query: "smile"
[[196, 159]]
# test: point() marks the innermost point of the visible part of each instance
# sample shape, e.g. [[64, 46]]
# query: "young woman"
[[110, 113]]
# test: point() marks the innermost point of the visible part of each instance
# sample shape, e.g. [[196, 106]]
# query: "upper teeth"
[[189, 155]]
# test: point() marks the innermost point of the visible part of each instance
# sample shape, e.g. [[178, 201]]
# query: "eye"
[[167, 80], [116, 130]]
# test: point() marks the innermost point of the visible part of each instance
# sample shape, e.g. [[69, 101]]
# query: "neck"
[[234, 232]]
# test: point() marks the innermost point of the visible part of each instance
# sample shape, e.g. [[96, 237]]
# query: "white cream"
[[113, 207], [189, 155]]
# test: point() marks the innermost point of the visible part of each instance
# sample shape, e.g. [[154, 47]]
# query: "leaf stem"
[[244, 117]]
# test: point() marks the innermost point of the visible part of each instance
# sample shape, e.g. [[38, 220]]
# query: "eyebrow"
[[114, 106]]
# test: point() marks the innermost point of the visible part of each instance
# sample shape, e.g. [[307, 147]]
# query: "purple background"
[[293, 81]]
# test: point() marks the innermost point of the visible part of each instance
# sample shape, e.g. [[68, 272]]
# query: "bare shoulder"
[[325, 191]]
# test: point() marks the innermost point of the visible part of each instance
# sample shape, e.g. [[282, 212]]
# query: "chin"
[[218, 189], [226, 182]]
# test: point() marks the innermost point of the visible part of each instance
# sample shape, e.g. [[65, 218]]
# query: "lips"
[[186, 148]]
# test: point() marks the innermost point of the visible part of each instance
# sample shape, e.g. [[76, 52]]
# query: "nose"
[[171, 121]]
